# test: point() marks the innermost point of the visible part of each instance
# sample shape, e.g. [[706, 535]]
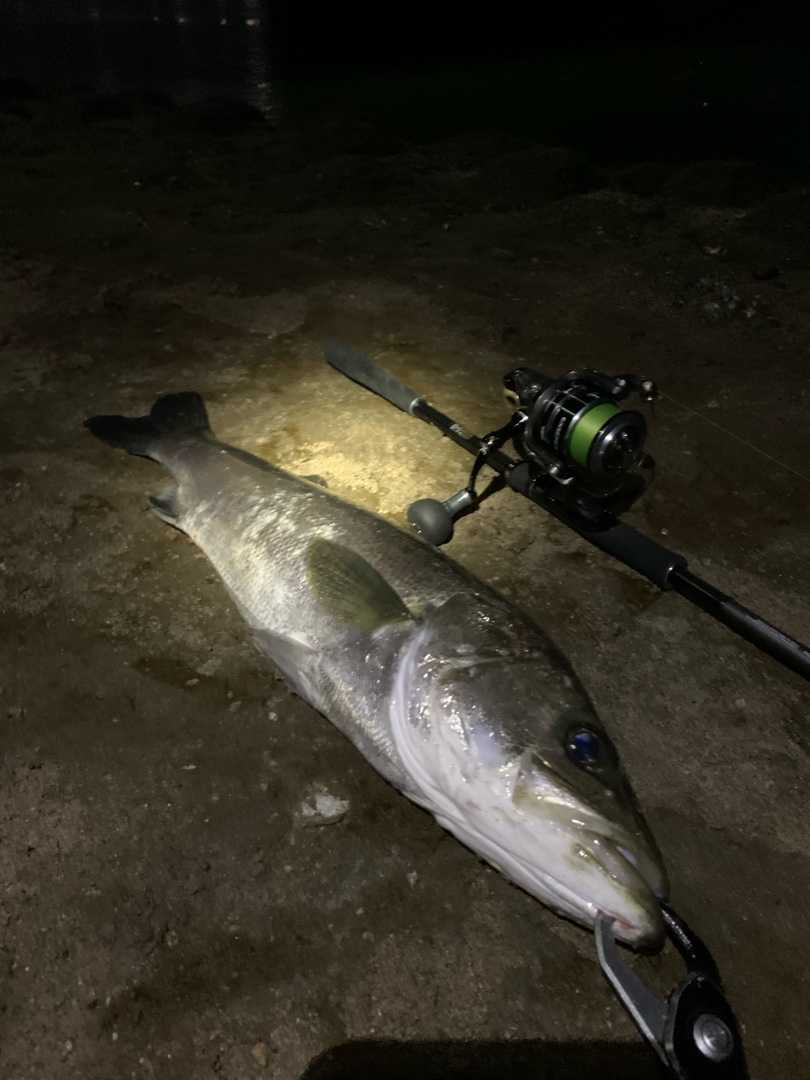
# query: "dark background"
[[624, 81]]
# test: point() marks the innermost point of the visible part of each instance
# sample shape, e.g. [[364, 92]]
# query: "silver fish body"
[[450, 692]]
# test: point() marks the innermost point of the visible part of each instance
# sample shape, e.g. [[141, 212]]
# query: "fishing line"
[[739, 438]]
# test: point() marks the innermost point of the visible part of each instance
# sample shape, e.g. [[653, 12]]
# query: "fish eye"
[[585, 748]]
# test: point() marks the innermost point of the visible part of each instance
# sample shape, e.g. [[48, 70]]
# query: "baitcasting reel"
[[581, 449]]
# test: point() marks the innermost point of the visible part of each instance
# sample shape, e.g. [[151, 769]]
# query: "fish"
[[451, 692]]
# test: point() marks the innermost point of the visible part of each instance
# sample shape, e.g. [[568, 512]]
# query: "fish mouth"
[[617, 890], [631, 876], [628, 867]]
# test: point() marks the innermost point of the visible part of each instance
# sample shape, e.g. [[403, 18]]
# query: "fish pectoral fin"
[[165, 505], [350, 589]]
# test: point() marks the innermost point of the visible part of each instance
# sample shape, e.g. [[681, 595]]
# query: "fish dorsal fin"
[[351, 589]]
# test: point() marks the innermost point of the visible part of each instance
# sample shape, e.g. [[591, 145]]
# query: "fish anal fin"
[[165, 506]]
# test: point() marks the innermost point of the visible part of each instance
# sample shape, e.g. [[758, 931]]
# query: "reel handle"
[[434, 520]]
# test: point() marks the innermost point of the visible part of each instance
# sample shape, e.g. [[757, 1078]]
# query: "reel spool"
[[573, 430]]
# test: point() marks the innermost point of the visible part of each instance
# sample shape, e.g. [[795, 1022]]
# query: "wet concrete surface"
[[167, 907]]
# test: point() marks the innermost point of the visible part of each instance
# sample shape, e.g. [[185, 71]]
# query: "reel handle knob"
[[433, 520]]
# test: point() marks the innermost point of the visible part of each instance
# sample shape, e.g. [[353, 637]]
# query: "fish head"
[[571, 792], [507, 751]]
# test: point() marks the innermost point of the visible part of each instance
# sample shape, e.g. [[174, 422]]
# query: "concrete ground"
[[167, 907]]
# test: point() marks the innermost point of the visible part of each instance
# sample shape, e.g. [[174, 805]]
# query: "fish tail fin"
[[172, 415]]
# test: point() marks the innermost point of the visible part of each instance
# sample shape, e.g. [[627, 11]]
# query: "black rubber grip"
[[364, 371], [639, 552]]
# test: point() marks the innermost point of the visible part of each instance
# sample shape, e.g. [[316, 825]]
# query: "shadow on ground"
[[519, 1060]]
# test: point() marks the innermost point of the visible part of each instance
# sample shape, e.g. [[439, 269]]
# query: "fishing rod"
[[581, 458]]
